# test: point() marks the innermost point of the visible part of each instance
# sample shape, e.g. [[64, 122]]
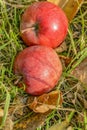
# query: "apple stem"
[[33, 27], [27, 29]]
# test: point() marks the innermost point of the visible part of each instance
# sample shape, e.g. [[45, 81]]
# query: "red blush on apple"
[[43, 23], [40, 68]]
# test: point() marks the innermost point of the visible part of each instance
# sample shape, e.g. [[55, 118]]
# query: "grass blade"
[[7, 103]]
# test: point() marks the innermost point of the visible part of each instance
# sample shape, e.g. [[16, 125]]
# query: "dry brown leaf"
[[66, 60], [46, 102], [35, 120], [41, 108], [61, 48], [70, 7], [28, 123], [55, 1], [80, 72]]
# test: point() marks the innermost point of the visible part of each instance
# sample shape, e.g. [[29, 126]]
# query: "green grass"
[[11, 44]]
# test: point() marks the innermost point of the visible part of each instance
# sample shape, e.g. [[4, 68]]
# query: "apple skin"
[[40, 68], [43, 23]]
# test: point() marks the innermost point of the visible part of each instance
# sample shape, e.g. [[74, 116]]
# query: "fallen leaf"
[[46, 102], [70, 7], [80, 72], [39, 107], [35, 120], [66, 60], [61, 48], [57, 2]]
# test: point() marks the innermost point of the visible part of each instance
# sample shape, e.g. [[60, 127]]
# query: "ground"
[[14, 102]]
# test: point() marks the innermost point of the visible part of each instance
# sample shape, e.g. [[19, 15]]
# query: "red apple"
[[40, 68], [44, 23]]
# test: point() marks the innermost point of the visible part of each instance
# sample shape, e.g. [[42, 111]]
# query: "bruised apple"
[[43, 23], [40, 68]]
